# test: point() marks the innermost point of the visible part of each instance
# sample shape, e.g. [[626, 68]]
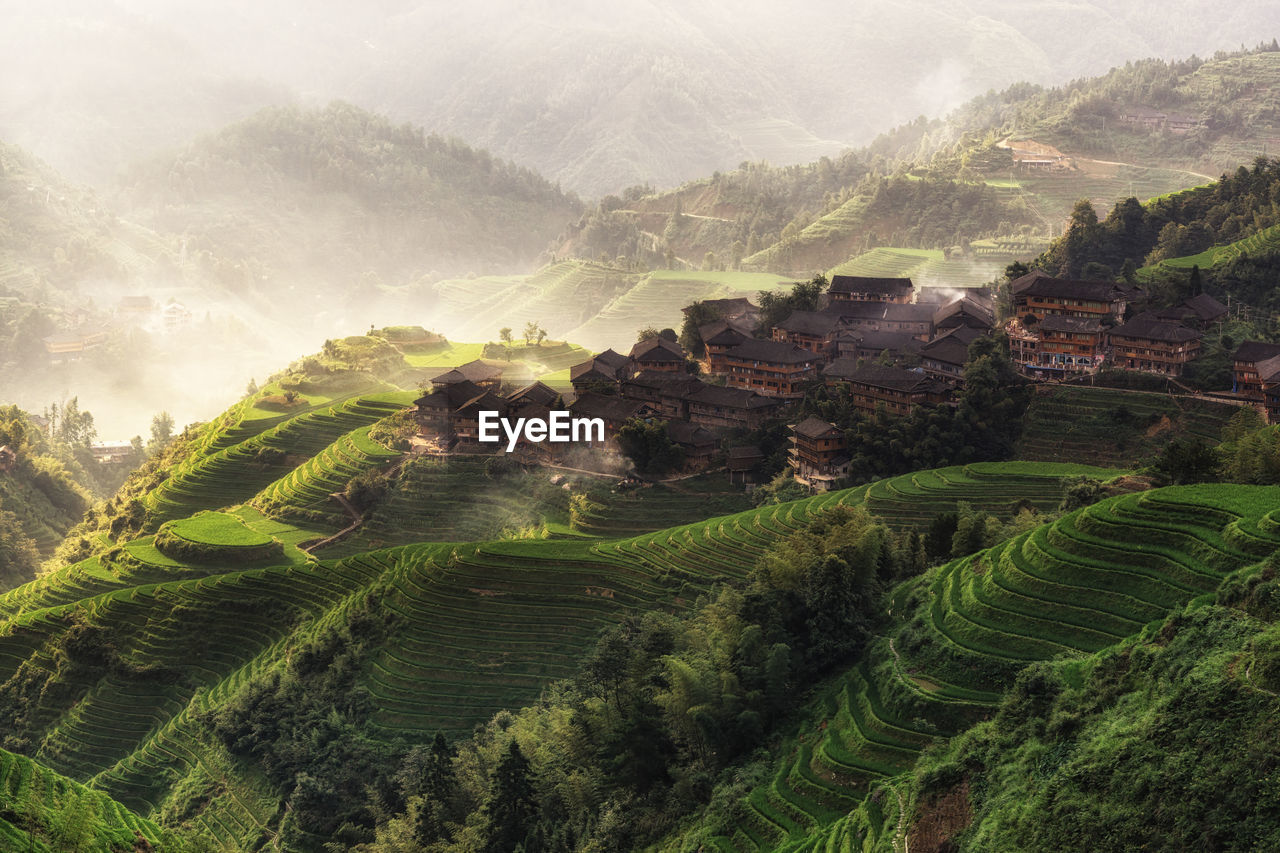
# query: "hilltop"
[[341, 200], [1007, 167]]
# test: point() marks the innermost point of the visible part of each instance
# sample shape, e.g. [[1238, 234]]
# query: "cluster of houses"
[[889, 345], [85, 333], [1064, 327]]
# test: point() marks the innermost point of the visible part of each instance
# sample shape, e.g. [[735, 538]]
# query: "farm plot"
[[1096, 576]]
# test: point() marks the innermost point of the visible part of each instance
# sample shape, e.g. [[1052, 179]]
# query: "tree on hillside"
[[161, 432], [512, 809], [648, 446], [530, 330], [648, 333], [697, 314], [504, 335], [776, 305]]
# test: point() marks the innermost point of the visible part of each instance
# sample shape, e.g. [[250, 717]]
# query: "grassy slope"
[[1088, 425], [960, 636], [45, 812], [476, 627]]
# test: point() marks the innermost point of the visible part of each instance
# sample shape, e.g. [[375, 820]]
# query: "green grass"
[[452, 356], [964, 630], [218, 529]]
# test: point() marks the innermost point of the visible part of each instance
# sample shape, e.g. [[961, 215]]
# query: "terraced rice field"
[[238, 468], [26, 784], [965, 629], [925, 267], [1088, 425], [1266, 240], [476, 627]]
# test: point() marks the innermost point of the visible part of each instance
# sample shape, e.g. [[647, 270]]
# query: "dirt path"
[[357, 520], [902, 825], [1137, 166]]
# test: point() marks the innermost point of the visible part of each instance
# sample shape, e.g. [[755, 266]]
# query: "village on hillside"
[[888, 345]]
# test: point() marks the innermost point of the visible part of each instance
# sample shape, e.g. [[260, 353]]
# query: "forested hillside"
[[340, 201]]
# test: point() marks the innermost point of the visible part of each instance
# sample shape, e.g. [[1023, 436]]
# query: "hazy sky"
[[597, 95]]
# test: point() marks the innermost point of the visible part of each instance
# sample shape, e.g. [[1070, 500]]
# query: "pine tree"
[[512, 808]]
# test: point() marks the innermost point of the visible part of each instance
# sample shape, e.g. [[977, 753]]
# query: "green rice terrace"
[[110, 665], [965, 629], [489, 587], [45, 812], [1105, 426]]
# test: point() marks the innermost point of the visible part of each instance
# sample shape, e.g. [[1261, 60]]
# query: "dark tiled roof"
[[895, 378], [729, 307], [690, 435], [880, 341], [450, 396], [1256, 351], [723, 333], [485, 401], [658, 349], [812, 427], [857, 310], [534, 393], [908, 312], [664, 381], [733, 398], [1202, 307], [948, 349], [1269, 369], [1058, 323], [614, 409], [592, 371], [815, 323], [966, 306], [615, 360], [774, 352], [474, 371], [1065, 288], [1148, 326], [867, 284]]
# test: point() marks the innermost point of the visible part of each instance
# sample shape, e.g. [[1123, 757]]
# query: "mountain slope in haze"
[[336, 201], [597, 97]]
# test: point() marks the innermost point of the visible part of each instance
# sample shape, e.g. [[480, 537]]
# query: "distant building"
[[1198, 312], [698, 443], [720, 335], [741, 463], [605, 369], [968, 311], [486, 374], [739, 310], [614, 411], [112, 452], [668, 392], [1245, 378], [432, 411], [819, 454], [767, 367], [717, 407], [175, 316], [1152, 345], [533, 394], [897, 390], [1039, 295], [659, 354], [946, 355], [862, 343], [912, 318], [857, 288], [1057, 345], [809, 330]]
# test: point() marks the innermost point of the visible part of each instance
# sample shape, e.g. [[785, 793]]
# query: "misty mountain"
[[339, 200], [596, 96]]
